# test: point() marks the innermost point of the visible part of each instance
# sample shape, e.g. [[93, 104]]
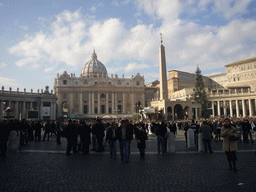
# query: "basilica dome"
[[94, 68]]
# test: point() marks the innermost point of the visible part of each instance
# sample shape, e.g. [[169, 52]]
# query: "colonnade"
[[19, 109], [233, 107]]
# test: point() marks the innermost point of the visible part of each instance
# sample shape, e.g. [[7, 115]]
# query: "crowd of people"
[[81, 134]]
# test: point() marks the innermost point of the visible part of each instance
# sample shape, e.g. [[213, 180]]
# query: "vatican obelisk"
[[163, 75]]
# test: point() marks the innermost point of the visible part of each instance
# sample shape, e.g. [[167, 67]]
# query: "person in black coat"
[[161, 134], [111, 137], [47, 129], [246, 126], [124, 135], [99, 128], [38, 128], [84, 133], [4, 136], [141, 137], [71, 134]]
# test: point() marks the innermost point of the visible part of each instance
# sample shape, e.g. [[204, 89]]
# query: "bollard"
[[200, 143], [170, 143], [191, 138], [13, 142]]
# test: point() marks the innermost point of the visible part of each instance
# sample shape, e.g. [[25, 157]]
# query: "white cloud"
[[47, 70], [230, 8], [73, 37], [135, 66], [163, 9], [3, 65]]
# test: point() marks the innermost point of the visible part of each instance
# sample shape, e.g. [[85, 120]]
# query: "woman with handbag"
[[230, 137]]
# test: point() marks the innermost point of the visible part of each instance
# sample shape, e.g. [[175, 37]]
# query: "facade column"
[[231, 108], [93, 108], [30, 105], [113, 103], [218, 107], [250, 107], [80, 103], [90, 103], [16, 109], [99, 110], [237, 109], [224, 108], [123, 108], [213, 110], [116, 103], [143, 100], [196, 111], [243, 107], [71, 110], [107, 112], [132, 103]]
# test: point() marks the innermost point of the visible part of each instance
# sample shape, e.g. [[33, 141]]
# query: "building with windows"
[[230, 94], [28, 105], [95, 94]]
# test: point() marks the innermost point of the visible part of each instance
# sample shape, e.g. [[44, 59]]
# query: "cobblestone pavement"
[[45, 167]]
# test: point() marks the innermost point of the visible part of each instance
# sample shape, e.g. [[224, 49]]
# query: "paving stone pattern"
[[30, 170]]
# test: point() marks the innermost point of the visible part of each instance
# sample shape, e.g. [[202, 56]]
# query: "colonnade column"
[[218, 107], [196, 111], [231, 108], [224, 108], [250, 107], [99, 111], [123, 109], [16, 110], [24, 111], [237, 109], [213, 110], [107, 112], [113, 103], [90, 103], [243, 107], [30, 105]]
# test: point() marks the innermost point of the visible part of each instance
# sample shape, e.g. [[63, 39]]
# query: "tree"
[[200, 95]]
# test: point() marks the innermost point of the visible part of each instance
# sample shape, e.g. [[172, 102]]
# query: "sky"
[[40, 38]]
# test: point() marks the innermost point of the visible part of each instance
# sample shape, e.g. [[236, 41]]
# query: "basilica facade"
[[95, 94]]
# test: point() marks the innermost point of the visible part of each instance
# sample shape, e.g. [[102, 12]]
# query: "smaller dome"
[[94, 68]]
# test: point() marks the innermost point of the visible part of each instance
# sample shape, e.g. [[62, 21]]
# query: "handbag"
[[233, 138]]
